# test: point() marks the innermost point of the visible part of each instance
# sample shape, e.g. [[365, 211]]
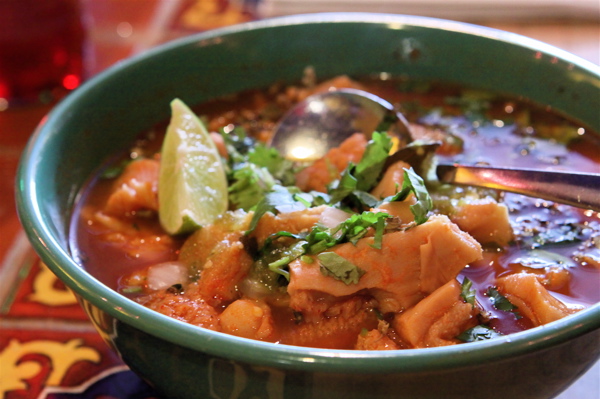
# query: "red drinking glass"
[[40, 50]]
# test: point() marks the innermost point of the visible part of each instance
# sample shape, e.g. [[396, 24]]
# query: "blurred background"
[[49, 47], [134, 25]]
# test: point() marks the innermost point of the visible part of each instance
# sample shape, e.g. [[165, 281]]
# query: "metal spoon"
[[324, 120]]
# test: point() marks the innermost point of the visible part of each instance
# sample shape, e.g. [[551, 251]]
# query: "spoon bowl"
[[324, 120]]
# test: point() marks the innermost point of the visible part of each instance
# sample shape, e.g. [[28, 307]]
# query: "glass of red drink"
[[40, 50]]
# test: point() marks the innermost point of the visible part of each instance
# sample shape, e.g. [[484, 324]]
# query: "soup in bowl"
[[346, 276]]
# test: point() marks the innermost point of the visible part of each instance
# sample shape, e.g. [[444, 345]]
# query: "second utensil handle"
[[577, 189]]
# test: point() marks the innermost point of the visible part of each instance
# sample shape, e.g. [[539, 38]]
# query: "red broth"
[[558, 244]]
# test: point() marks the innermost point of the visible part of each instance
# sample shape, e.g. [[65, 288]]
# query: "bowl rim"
[[222, 345]]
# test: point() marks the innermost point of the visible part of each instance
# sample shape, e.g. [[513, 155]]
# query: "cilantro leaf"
[[312, 198], [116, 170], [332, 264], [478, 333], [563, 233], [350, 230], [238, 144], [467, 292], [281, 168], [344, 186], [500, 302], [379, 226], [356, 180], [288, 255], [249, 183], [415, 184], [371, 164], [280, 199], [253, 168], [271, 239], [362, 199]]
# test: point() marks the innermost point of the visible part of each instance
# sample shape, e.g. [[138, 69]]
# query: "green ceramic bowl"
[[185, 361]]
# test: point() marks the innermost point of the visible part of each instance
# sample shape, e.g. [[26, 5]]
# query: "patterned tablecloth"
[[48, 349]]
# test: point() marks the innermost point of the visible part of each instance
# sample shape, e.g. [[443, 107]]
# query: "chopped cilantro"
[[280, 199], [282, 169], [319, 239], [238, 144], [249, 183], [351, 230], [473, 103], [344, 186], [467, 292], [114, 171], [312, 198], [134, 289], [362, 199], [379, 229], [415, 184], [253, 169], [478, 333], [371, 164], [500, 302], [363, 176], [334, 265], [289, 254]]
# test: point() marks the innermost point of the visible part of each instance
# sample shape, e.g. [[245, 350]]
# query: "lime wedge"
[[192, 186]]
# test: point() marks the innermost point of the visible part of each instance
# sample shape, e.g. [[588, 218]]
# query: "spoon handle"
[[578, 189]]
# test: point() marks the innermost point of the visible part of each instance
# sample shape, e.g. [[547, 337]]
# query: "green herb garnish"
[[467, 292], [249, 183], [332, 264], [282, 169], [320, 239], [280, 199], [559, 233], [478, 333], [134, 289], [500, 302], [350, 230], [287, 255], [369, 168], [238, 145], [415, 184], [363, 176], [114, 171]]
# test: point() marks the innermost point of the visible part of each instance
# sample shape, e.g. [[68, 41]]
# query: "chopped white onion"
[[331, 217], [167, 274]]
